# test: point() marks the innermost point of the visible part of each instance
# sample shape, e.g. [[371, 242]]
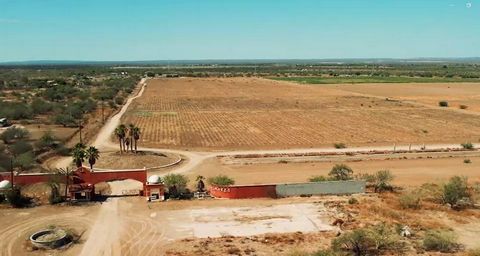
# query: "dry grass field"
[[456, 94], [407, 172], [252, 113]]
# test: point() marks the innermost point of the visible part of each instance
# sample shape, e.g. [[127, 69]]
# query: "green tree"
[[120, 133], [341, 172], [221, 180], [131, 128], [136, 136], [78, 154], [455, 191], [176, 183], [92, 154]]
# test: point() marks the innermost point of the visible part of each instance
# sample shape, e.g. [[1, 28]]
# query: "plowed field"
[[252, 113]]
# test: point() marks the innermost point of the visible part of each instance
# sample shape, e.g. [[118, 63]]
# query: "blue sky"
[[237, 29]]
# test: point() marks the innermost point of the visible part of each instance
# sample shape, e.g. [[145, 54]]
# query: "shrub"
[[14, 133], [467, 145], [177, 184], [410, 201], [178, 180], [119, 100], [357, 241], [24, 161], [443, 103], [456, 193], [341, 172], [16, 199], [20, 147], [369, 178], [463, 106], [339, 145], [221, 180], [369, 241], [440, 240], [318, 178], [467, 161], [382, 181], [352, 200]]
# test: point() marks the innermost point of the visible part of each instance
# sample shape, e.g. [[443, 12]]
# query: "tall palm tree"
[[78, 154], [136, 136], [131, 127], [120, 132], [92, 154], [67, 172]]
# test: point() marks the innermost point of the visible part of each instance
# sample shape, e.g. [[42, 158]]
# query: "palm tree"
[[131, 127], [67, 172], [78, 154], [120, 132], [127, 143], [92, 154], [136, 136]]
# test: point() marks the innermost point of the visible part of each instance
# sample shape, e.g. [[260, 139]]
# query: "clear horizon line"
[[239, 59]]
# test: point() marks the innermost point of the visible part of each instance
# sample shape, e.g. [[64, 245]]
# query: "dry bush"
[[440, 240], [410, 200], [369, 241]]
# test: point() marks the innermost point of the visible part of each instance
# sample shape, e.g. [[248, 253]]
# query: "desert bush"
[[352, 200], [467, 161], [443, 103], [369, 241], [119, 100], [221, 180], [318, 178], [467, 145], [13, 134], [410, 201], [383, 179], [176, 183], [16, 199], [339, 145], [440, 240], [341, 172], [463, 106], [358, 241], [369, 178], [455, 193], [24, 161]]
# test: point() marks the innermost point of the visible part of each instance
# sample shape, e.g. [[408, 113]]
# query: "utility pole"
[[11, 172]]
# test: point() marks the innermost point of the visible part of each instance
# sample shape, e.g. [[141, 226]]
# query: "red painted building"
[[244, 191]]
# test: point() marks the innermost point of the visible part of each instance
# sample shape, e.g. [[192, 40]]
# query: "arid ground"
[[253, 113], [408, 172]]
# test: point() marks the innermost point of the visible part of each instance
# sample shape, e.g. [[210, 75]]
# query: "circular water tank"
[[154, 179], [4, 184]]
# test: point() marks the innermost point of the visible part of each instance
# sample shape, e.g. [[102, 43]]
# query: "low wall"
[[285, 190], [247, 191], [30, 178], [321, 188]]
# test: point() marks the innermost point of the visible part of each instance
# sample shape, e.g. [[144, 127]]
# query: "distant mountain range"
[[237, 62]]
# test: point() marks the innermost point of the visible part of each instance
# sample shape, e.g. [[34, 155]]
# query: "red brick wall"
[[237, 192]]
